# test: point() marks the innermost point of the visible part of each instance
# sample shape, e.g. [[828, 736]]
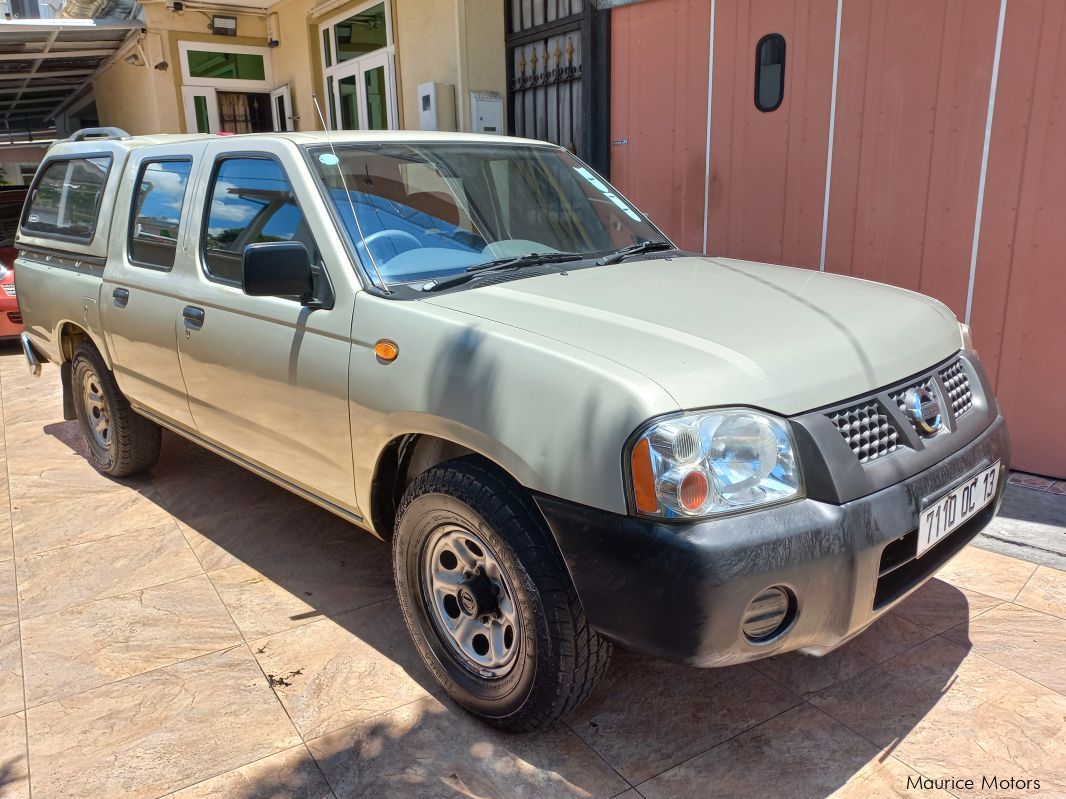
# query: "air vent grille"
[[867, 429]]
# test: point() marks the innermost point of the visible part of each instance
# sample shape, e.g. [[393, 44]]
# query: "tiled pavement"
[[201, 633]]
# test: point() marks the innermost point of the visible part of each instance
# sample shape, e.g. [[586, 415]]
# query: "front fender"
[[553, 416]]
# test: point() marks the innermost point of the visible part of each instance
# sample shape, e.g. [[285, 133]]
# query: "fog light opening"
[[769, 614]]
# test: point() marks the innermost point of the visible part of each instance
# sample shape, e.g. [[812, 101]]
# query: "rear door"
[[267, 377], [139, 301]]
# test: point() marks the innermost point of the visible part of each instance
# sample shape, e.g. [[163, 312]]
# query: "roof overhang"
[[46, 64]]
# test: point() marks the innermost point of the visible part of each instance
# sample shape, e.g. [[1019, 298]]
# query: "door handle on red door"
[[194, 317]]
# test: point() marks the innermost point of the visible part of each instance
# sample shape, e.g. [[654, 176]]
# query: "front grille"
[[9, 289], [957, 385], [867, 429], [15, 318]]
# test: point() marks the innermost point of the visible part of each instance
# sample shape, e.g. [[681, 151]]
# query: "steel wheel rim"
[[97, 416], [457, 565]]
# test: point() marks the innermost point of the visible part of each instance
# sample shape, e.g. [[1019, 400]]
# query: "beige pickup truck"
[[572, 433]]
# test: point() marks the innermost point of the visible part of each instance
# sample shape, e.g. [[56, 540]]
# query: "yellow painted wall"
[[458, 42], [137, 99], [297, 60], [483, 64], [426, 50]]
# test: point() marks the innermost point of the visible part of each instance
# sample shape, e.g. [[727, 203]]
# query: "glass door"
[[362, 94], [376, 86], [201, 109], [281, 109]]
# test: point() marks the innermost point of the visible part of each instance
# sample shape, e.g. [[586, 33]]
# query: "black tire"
[[132, 442], [560, 659]]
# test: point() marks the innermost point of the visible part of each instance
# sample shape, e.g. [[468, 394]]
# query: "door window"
[[250, 201], [156, 213], [770, 72]]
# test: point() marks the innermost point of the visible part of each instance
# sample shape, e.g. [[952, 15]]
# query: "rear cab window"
[[65, 199], [155, 213]]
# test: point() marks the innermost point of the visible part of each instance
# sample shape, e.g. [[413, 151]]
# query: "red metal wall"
[[911, 107], [659, 54], [1019, 310], [912, 104], [768, 170]]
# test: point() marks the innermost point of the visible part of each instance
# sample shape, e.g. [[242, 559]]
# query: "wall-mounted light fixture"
[[223, 26]]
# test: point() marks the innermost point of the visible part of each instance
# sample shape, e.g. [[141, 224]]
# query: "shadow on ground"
[[1031, 525], [648, 717]]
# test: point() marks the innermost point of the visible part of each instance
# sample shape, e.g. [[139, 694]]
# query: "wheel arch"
[[69, 336], [403, 458]]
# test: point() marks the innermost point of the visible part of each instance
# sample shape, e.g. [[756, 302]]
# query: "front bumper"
[[679, 591]]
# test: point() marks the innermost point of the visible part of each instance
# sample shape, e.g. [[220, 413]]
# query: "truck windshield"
[[420, 211]]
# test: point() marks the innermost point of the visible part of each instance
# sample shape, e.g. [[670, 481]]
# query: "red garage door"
[[899, 198]]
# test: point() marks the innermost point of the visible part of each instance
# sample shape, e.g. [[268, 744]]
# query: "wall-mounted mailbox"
[[486, 113]]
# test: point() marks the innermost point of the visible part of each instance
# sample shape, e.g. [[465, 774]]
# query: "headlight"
[[967, 338], [711, 462]]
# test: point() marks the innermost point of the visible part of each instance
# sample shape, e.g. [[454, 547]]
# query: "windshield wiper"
[[500, 265], [634, 249]]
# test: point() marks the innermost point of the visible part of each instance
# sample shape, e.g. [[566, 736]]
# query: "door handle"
[[120, 297], [194, 317]]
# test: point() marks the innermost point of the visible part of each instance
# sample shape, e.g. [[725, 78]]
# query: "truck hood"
[[715, 331]]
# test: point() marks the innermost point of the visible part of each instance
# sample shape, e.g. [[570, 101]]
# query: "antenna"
[[348, 194]]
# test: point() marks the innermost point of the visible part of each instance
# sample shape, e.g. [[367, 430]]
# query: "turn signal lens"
[[644, 478], [693, 491], [386, 350]]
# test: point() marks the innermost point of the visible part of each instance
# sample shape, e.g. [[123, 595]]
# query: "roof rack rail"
[[99, 133]]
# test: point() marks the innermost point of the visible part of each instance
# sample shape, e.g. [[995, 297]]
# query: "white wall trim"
[[832, 134], [707, 153], [984, 158]]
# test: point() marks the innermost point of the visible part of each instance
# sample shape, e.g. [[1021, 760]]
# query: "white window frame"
[[354, 66], [227, 84]]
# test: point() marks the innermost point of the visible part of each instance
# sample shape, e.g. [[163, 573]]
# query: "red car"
[[11, 200]]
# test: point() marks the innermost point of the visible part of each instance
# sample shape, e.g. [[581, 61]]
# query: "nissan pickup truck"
[[573, 433]]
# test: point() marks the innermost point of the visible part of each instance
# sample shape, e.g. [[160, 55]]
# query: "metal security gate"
[[557, 75]]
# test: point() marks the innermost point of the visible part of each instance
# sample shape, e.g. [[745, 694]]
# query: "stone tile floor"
[[202, 633]]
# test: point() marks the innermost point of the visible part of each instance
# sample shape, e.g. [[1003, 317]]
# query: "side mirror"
[[277, 269]]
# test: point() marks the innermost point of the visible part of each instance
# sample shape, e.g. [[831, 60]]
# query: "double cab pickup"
[[573, 433]]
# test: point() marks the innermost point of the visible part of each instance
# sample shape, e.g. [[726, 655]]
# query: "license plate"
[[952, 510]]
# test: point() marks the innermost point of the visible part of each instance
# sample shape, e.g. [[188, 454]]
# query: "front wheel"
[[121, 441], [488, 600]]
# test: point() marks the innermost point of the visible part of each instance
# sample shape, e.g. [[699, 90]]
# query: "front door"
[[266, 376]]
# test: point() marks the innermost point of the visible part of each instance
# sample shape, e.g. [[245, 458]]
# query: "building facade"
[[240, 68]]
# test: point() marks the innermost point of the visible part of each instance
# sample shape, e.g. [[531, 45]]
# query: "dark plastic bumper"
[[679, 591]]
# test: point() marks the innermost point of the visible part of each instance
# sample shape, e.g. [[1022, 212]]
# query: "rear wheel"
[[488, 600], [121, 441]]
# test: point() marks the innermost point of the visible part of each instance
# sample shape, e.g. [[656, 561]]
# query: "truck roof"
[[309, 138]]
